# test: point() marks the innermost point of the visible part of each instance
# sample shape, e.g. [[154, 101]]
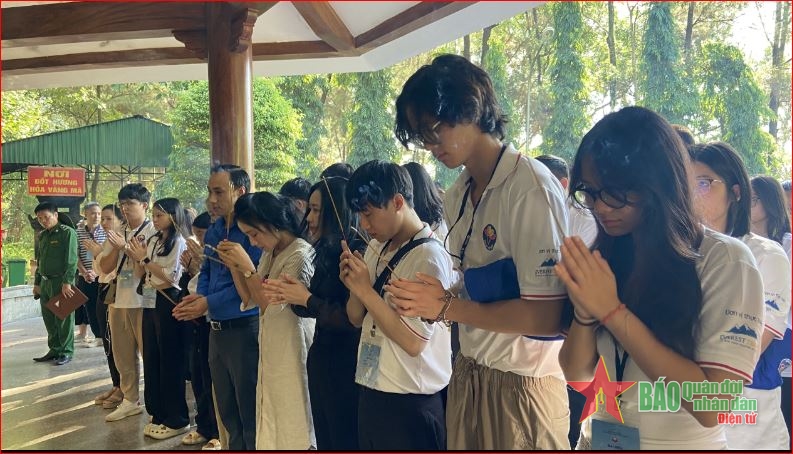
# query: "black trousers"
[[403, 422], [334, 394], [164, 363], [104, 334], [234, 362], [201, 381], [87, 312], [576, 402]]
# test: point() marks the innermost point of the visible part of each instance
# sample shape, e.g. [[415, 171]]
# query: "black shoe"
[[48, 357], [63, 359]]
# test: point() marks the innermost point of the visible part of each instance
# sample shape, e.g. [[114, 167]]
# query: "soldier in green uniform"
[[57, 266]]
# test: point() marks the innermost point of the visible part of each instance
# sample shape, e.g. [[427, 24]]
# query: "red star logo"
[[601, 389]]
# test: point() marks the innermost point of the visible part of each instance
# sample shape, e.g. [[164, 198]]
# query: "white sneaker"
[[162, 432], [126, 408]]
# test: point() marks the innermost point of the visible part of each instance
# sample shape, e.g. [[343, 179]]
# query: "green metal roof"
[[133, 142]]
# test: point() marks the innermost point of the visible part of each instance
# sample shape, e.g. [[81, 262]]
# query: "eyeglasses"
[[423, 141], [703, 185], [613, 198], [754, 201]]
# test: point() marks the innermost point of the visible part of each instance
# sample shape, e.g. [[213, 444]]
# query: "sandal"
[[163, 432], [114, 400], [212, 445], [193, 438], [100, 399]]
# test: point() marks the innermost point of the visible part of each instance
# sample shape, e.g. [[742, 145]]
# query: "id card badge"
[[368, 361], [149, 295], [608, 436], [126, 280]]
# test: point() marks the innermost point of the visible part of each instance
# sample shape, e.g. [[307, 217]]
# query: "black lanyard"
[[476, 206], [620, 363]]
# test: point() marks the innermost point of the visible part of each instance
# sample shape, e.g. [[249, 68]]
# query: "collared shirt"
[[215, 281], [511, 253], [83, 233], [57, 254]]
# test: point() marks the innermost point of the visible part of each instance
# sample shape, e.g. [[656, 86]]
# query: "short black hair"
[[338, 169], [237, 175], [375, 183], [451, 90], [134, 191], [555, 164], [296, 188], [46, 206], [202, 221]]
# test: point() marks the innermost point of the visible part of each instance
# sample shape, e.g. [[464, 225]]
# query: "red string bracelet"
[[610, 314]]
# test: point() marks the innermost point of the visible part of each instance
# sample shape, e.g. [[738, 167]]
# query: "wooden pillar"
[[229, 63]]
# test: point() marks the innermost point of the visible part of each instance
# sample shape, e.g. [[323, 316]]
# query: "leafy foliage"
[[567, 117], [372, 119]]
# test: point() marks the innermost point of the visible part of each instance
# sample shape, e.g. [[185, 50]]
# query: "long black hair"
[[426, 200], [179, 224], [728, 165], [635, 149], [267, 211], [328, 245], [772, 196]]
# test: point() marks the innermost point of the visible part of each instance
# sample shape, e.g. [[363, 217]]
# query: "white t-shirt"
[[774, 267], [582, 223], [170, 263], [513, 224], [397, 371], [731, 325], [786, 240], [127, 296], [439, 230]]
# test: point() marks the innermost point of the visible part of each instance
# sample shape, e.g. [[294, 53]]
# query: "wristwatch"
[[145, 261], [248, 274]]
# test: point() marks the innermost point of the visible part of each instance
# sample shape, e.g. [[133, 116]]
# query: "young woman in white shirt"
[[655, 298], [724, 201], [164, 361]]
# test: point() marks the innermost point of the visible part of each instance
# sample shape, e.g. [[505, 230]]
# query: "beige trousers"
[[493, 410], [126, 331]]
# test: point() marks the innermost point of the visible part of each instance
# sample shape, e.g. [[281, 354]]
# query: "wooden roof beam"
[[327, 25], [62, 23]]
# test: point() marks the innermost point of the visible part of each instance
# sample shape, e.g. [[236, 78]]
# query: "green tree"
[[372, 119], [276, 130], [308, 95], [663, 85], [496, 66], [732, 95], [567, 115]]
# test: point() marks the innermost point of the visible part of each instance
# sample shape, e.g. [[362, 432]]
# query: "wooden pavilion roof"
[[59, 44]]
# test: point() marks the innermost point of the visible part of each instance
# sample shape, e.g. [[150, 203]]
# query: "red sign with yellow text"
[[63, 181]]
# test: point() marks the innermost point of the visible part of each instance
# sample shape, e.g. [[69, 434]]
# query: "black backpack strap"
[[401, 253], [124, 256]]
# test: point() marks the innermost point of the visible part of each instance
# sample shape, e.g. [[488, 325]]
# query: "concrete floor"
[[48, 407]]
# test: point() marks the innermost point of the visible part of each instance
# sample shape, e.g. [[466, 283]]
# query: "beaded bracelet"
[[588, 322], [447, 302]]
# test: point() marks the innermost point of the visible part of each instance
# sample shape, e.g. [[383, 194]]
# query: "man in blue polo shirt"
[[233, 338]]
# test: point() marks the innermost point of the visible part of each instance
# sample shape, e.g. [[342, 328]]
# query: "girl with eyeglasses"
[[660, 297], [726, 207]]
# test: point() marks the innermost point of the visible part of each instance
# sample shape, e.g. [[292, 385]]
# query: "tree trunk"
[[687, 42], [467, 47], [485, 45], [612, 58], [95, 179], [781, 22]]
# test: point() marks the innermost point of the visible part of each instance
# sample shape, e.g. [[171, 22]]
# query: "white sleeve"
[[170, 264], [534, 239], [731, 320], [432, 260], [775, 271]]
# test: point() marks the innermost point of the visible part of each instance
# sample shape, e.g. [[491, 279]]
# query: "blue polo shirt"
[[215, 281]]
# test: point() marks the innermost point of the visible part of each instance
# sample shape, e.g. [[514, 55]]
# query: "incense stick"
[[335, 210], [165, 295], [379, 258]]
